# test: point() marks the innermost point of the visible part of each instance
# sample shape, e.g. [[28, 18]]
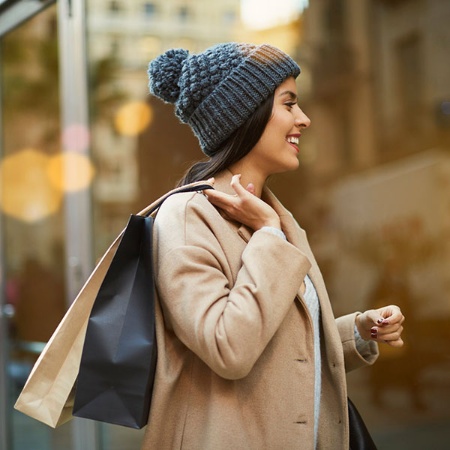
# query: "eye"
[[290, 105]]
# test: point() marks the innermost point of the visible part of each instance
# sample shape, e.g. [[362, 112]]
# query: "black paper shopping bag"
[[118, 361], [119, 355]]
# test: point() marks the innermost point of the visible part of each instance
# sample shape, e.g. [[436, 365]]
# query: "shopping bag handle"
[[192, 187]]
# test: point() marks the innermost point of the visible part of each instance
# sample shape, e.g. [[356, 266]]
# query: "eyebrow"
[[291, 95]]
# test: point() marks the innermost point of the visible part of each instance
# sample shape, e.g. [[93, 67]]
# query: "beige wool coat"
[[235, 340]]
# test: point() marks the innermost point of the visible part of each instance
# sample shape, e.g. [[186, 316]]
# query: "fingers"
[[392, 334], [237, 186], [223, 200], [388, 315], [397, 343], [391, 314], [393, 339], [391, 329], [251, 188], [382, 325], [244, 207], [239, 189], [230, 205]]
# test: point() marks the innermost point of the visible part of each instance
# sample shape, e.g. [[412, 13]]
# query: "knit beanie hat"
[[216, 91]]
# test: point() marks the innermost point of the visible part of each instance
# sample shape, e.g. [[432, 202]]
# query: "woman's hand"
[[244, 207], [382, 325]]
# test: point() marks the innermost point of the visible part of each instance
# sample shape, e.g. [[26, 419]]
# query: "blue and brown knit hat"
[[216, 91]]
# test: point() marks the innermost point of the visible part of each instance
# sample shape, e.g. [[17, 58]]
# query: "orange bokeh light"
[[70, 171], [26, 193], [132, 118]]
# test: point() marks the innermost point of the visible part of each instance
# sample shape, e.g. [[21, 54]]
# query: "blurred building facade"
[[378, 164], [381, 67], [379, 104], [140, 31]]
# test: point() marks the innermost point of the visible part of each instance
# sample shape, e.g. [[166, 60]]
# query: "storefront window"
[[32, 212]]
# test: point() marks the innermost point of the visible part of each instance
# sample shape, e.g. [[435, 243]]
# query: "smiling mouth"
[[293, 140]]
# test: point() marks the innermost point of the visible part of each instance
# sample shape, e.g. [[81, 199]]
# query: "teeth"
[[293, 140]]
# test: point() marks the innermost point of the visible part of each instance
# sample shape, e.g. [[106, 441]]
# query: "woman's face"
[[278, 148]]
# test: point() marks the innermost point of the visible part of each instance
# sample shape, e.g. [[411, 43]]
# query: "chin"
[[294, 165], [286, 168]]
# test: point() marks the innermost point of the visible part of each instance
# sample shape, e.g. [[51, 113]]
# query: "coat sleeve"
[[226, 320], [353, 359]]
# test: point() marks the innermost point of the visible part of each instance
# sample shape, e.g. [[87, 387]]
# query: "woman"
[[250, 354]]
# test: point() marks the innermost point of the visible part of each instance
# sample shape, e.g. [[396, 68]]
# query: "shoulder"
[[184, 210], [188, 219]]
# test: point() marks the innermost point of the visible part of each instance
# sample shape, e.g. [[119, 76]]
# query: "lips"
[[294, 140]]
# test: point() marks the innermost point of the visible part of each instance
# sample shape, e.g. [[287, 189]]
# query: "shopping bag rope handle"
[[192, 187]]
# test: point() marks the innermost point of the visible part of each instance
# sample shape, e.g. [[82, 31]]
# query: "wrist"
[[273, 223]]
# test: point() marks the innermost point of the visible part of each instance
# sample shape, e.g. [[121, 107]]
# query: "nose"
[[302, 120]]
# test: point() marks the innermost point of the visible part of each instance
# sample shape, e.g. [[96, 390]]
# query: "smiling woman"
[[243, 319], [259, 14]]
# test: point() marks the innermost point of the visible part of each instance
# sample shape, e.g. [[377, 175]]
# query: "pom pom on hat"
[[217, 91], [164, 74]]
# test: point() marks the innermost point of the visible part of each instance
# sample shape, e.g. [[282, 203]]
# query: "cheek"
[[283, 121], [278, 127], [271, 139]]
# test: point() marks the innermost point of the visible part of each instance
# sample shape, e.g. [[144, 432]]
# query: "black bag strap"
[[192, 187]]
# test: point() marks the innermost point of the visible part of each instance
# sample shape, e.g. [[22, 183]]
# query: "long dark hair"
[[234, 148]]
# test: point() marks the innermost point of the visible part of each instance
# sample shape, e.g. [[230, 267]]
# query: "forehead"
[[287, 85]]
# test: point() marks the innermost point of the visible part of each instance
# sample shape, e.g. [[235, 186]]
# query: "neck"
[[249, 175]]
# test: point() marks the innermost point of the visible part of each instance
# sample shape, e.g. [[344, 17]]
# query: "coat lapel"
[[297, 238], [288, 224]]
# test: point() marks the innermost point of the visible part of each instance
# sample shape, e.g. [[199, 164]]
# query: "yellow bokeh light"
[[70, 171], [132, 118], [26, 193]]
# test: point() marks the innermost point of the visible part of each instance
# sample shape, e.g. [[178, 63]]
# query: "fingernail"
[[373, 332], [380, 321]]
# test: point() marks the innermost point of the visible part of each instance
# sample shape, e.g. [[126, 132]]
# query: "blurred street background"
[[82, 146]]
